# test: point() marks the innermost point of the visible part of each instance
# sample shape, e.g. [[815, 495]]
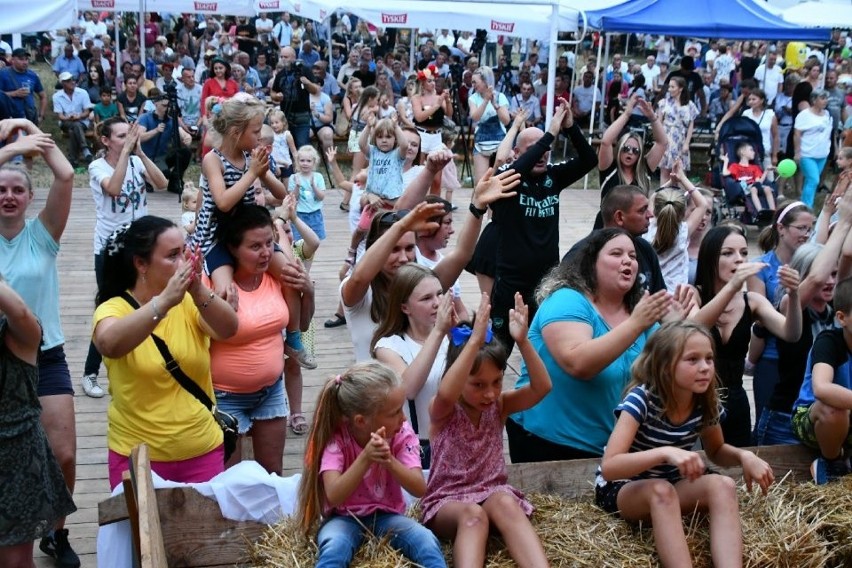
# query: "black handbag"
[[227, 422]]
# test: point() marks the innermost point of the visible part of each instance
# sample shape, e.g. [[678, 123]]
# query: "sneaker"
[[824, 470], [58, 548], [305, 359], [91, 386]]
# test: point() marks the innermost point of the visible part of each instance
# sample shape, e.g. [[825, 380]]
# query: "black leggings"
[[526, 447]]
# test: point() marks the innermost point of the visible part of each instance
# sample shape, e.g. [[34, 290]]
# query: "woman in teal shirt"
[[591, 325]]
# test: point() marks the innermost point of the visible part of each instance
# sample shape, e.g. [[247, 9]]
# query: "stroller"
[[736, 203]]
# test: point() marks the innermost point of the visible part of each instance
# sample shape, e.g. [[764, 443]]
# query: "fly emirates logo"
[[539, 208]]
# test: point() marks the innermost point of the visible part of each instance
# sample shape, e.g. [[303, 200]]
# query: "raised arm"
[[54, 216], [504, 150], [612, 133]]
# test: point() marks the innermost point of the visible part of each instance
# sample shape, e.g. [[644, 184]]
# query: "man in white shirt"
[[770, 77], [525, 100], [263, 24], [581, 105], [651, 71], [282, 32], [444, 38], [72, 106], [95, 28], [723, 66], [617, 65]]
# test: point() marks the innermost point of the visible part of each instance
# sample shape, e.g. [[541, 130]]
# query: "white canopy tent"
[[819, 15], [37, 16]]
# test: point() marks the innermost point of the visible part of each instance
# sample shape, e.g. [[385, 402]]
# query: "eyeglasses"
[[804, 229], [630, 150]]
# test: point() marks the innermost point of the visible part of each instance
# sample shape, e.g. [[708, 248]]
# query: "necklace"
[[252, 284]]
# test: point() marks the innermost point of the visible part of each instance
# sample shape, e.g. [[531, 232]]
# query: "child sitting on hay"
[[360, 454], [821, 414], [648, 471]]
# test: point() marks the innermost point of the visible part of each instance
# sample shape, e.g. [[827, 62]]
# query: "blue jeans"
[[340, 537], [811, 170], [773, 428], [765, 381]]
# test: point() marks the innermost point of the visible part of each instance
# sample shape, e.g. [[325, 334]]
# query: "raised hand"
[[646, 108], [519, 319], [418, 219], [520, 119], [32, 145], [788, 277], [745, 271], [331, 154], [491, 188], [651, 308], [259, 161], [438, 159], [556, 121], [480, 326], [446, 313]]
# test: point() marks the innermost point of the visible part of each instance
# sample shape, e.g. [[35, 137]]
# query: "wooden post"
[[151, 548]]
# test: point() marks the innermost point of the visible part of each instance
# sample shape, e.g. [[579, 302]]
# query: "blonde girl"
[[368, 105], [671, 227], [467, 491], [283, 145], [189, 207], [649, 471], [308, 186], [360, 455], [228, 176]]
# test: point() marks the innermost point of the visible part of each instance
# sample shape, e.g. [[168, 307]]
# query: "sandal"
[[344, 206], [337, 321], [298, 424]]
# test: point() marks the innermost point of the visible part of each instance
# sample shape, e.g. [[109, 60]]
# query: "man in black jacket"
[[528, 224]]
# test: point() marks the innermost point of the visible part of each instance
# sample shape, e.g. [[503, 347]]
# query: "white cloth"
[[244, 492], [431, 264], [361, 325], [651, 75], [584, 96], [408, 349]]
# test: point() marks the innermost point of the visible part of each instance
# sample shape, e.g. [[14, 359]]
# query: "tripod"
[[461, 123], [176, 171]]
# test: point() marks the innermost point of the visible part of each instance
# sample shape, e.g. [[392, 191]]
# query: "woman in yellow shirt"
[[147, 260]]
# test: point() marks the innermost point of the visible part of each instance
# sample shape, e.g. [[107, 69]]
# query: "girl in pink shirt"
[[360, 454]]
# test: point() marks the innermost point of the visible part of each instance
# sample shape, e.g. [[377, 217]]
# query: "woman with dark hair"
[[94, 82], [629, 164], [591, 324], [412, 340], [614, 91], [729, 311], [219, 84], [151, 286], [118, 184], [248, 367], [678, 115], [390, 244]]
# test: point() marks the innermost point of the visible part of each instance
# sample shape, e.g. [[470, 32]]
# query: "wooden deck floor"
[[333, 347]]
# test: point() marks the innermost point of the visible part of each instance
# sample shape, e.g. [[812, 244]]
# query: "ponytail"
[[670, 210]]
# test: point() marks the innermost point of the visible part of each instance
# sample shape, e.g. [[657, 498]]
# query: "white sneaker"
[[91, 386], [305, 359]]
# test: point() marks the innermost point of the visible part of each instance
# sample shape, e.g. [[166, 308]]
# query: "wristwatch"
[[476, 211]]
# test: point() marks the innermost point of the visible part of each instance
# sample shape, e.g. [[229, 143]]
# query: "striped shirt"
[[205, 230], [655, 430]]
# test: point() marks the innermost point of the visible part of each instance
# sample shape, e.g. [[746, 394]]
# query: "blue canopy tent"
[[731, 19]]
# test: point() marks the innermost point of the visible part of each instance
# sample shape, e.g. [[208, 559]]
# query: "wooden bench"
[[180, 527]]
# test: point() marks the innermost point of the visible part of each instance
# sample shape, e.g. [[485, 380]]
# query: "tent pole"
[[116, 23], [603, 84], [551, 68], [140, 28], [411, 49], [594, 101]]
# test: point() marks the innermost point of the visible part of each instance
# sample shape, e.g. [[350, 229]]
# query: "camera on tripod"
[[478, 42]]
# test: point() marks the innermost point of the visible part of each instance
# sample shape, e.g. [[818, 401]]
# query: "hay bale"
[[795, 526]]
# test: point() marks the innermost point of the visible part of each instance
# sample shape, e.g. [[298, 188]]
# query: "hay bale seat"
[[797, 525]]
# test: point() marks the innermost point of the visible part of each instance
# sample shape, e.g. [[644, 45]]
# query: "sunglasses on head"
[[390, 217], [631, 150]]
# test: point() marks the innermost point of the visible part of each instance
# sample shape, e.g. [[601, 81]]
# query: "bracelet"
[[476, 211], [207, 302], [157, 315]]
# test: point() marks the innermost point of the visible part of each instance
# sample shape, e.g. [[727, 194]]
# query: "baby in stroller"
[[750, 178], [742, 180]]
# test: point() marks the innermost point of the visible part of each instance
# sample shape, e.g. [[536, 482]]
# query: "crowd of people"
[[634, 346]]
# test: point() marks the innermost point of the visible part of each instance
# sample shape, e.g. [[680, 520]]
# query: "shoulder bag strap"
[[172, 366]]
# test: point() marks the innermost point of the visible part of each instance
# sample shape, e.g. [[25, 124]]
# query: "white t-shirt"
[[764, 121], [464, 44], [650, 74], [442, 40], [361, 325], [769, 79], [584, 96], [724, 66], [431, 264], [112, 212], [816, 134], [408, 350], [674, 263]]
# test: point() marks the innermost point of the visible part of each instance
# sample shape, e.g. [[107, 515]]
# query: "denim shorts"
[[314, 220], [267, 403]]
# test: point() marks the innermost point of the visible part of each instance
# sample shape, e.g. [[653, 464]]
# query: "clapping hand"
[[519, 319], [491, 188]]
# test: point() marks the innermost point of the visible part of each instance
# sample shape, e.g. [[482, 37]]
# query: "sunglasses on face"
[[630, 150]]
